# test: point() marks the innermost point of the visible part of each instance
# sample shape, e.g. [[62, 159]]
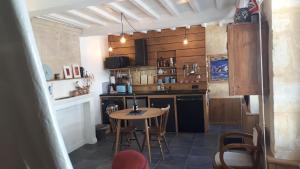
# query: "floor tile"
[[187, 151]]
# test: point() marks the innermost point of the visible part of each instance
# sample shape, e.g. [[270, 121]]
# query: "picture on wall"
[[218, 68], [76, 71], [68, 72]]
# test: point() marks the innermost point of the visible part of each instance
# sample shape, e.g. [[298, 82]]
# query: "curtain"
[[29, 135]]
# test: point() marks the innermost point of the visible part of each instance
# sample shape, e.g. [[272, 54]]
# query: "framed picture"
[[76, 71], [218, 68], [68, 72]]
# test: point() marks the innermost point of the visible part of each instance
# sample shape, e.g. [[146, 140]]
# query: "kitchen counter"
[[179, 100], [172, 92]]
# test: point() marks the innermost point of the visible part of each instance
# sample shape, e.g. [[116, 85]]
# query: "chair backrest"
[[164, 119], [110, 109]]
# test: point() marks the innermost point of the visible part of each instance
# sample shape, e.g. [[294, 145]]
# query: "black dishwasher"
[[190, 112]]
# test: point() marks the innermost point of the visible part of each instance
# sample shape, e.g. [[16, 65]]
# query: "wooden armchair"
[[239, 156]]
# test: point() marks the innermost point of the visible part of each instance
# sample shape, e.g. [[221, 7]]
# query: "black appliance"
[[114, 62], [190, 112], [164, 102], [141, 54], [110, 101]]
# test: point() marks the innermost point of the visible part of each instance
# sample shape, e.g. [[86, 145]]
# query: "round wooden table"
[[124, 115]]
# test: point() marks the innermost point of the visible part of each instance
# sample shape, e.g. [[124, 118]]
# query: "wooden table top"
[[124, 114]]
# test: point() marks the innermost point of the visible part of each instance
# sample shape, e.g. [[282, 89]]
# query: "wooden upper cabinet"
[[244, 59]]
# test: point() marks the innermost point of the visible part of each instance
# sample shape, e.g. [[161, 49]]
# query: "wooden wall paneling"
[[175, 39], [165, 41], [191, 52], [176, 46], [225, 111]]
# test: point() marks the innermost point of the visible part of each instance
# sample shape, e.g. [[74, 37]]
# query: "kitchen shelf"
[[166, 75], [53, 80], [166, 67]]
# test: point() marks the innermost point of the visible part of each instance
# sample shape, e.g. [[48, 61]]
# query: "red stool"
[[129, 159]]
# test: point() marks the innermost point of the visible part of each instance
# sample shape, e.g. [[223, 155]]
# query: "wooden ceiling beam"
[[145, 8], [194, 5], [125, 11], [104, 14], [170, 7], [67, 20], [87, 17]]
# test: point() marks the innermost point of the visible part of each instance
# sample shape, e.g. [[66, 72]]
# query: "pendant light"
[[185, 40], [110, 49], [122, 39]]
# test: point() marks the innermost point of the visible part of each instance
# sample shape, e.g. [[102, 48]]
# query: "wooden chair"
[[128, 131], [239, 156], [159, 131]]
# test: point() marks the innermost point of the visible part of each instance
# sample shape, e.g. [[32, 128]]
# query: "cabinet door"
[[244, 59], [164, 102]]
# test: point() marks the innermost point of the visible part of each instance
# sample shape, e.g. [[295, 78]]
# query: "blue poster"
[[219, 69]]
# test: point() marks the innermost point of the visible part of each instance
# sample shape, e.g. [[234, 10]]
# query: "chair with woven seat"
[[127, 131], [239, 155], [159, 130]]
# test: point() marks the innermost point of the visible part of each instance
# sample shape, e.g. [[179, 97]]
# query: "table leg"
[[147, 139], [118, 136]]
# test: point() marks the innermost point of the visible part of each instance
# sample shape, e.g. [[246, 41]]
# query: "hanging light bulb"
[[123, 39], [110, 49], [185, 40]]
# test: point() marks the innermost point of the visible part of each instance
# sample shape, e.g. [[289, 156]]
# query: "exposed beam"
[[219, 4], [205, 16], [87, 17], [125, 11], [55, 20], [168, 5], [144, 7], [194, 5], [104, 14], [67, 20], [44, 7]]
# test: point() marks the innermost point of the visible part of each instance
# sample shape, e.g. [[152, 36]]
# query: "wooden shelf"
[[166, 67], [53, 80], [166, 74]]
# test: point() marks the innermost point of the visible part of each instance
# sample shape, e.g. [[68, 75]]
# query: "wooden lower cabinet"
[[225, 111]]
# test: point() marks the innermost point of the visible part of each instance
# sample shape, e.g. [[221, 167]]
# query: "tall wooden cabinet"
[[244, 59]]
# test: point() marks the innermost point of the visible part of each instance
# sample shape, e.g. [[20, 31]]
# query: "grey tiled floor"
[[187, 151]]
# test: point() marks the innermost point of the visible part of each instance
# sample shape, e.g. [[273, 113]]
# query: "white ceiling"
[[102, 17]]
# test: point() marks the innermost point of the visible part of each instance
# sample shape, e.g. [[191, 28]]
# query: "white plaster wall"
[[58, 44], [215, 44], [282, 105], [93, 52], [286, 78]]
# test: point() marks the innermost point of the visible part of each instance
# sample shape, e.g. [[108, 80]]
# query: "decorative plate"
[[48, 72]]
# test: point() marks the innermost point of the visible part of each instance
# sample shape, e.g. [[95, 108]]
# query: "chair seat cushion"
[[235, 159], [129, 159]]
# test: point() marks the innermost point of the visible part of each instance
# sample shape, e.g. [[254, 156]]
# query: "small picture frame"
[[68, 72], [76, 71]]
